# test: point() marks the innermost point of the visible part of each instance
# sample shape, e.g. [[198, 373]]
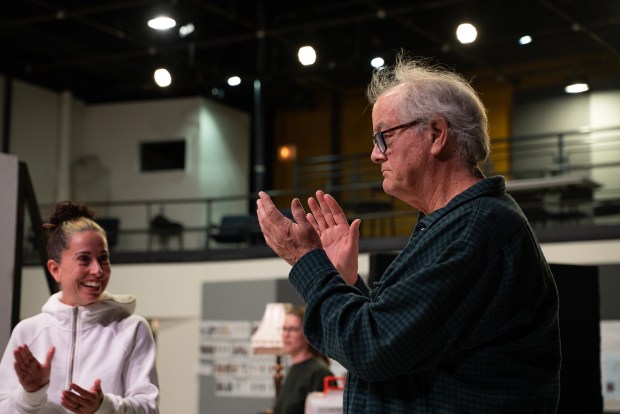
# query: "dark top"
[[301, 379], [465, 320]]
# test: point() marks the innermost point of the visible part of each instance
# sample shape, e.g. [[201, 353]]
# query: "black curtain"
[[581, 340]]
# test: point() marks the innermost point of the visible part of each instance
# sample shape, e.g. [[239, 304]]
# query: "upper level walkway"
[[568, 184]]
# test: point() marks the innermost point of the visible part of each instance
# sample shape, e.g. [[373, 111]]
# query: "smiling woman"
[[78, 255], [86, 325]]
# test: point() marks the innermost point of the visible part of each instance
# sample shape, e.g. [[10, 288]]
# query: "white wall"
[[539, 113], [217, 159], [536, 113], [217, 139], [34, 135], [217, 144], [604, 113], [605, 108]]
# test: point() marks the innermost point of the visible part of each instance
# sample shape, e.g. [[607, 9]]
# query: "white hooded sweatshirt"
[[102, 340]]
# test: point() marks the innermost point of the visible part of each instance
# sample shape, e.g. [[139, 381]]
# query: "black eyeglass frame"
[[378, 139]]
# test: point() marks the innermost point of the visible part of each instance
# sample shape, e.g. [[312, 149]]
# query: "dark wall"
[[580, 377]]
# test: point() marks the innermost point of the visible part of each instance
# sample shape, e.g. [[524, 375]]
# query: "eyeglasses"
[[379, 138], [291, 329]]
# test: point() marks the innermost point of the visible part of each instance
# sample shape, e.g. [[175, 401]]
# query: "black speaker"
[[580, 375]]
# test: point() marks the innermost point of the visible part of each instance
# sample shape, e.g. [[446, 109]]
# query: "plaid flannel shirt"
[[465, 319]]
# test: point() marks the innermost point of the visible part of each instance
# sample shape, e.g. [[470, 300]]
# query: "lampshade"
[[268, 337]]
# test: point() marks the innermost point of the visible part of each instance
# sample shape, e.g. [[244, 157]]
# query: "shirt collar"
[[487, 187]]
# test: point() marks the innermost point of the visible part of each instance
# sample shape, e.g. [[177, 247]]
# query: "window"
[[162, 155]]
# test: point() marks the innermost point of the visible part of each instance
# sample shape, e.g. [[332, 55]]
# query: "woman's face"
[[293, 336], [84, 269]]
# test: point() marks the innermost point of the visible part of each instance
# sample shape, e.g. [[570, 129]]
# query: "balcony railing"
[[195, 224]]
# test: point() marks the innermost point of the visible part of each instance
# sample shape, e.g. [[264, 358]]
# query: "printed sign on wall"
[[226, 355]]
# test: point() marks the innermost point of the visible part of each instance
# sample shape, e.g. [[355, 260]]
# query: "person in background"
[[307, 370], [465, 319], [86, 352]]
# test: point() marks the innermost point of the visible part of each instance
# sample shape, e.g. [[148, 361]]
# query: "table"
[[567, 195], [553, 183]]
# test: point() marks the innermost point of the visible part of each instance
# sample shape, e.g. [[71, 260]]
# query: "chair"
[[607, 208], [571, 199], [234, 228], [111, 226], [164, 229], [533, 206]]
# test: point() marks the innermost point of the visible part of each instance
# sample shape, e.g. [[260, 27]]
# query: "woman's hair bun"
[[69, 210]]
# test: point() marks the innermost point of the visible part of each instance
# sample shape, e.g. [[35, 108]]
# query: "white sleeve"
[[13, 397], [140, 376]]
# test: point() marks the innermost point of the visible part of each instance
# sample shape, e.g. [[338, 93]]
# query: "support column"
[[63, 183]]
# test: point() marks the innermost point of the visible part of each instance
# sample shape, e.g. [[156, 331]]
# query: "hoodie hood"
[[108, 308]]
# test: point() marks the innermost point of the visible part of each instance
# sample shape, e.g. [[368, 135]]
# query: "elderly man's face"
[[404, 160]]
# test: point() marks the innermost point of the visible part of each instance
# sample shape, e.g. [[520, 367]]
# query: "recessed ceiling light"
[[162, 23], [377, 62], [576, 87], [234, 80], [466, 33], [162, 77], [306, 55], [186, 29]]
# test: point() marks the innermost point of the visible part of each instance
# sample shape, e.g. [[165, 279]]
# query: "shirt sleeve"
[[362, 286]]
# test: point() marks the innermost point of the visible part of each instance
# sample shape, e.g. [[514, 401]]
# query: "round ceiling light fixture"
[[466, 33], [162, 23], [162, 77]]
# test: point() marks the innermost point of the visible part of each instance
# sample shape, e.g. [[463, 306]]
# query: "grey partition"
[[8, 214], [609, 286], [239, 302]]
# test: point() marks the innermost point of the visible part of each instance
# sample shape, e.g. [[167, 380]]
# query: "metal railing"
[[357, 184]]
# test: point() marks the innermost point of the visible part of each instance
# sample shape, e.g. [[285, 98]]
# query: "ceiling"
[[103, 51]]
